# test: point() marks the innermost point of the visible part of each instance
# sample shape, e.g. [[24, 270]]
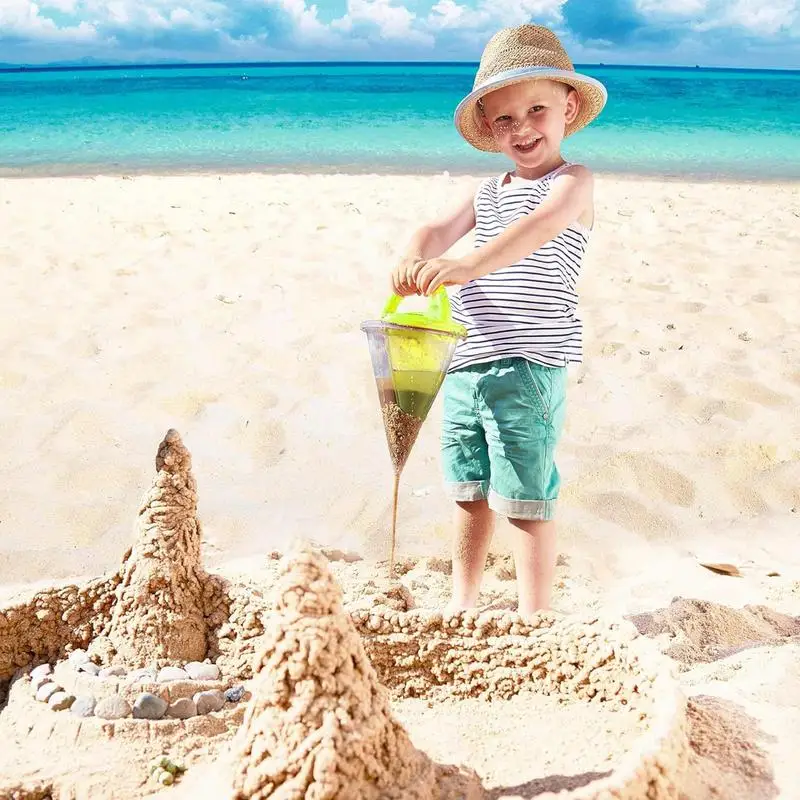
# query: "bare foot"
[[530, 616], [453, 609]]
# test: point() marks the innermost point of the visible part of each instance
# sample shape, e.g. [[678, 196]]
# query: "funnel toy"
[[410, 354]]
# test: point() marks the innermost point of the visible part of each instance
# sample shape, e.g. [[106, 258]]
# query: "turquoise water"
[[366, 117]]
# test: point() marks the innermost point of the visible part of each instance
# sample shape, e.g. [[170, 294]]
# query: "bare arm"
[[569, 199], [437, 237], [431, 240]]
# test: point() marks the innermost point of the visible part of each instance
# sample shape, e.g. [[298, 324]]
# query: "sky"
[[738, 33]]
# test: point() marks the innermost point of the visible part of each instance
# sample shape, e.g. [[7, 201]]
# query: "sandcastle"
[[297, 692]]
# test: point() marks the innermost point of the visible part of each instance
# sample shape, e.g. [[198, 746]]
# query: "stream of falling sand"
[[394, 523]]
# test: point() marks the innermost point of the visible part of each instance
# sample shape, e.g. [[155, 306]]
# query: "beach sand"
[[228, 307]]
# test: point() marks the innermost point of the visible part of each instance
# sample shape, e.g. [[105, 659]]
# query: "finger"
[[425, 277], [436, 282], [411, 273]]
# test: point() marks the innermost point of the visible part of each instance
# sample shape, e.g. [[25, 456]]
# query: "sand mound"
[[725, 759], [319, 725], [159, 613], [703, 631]]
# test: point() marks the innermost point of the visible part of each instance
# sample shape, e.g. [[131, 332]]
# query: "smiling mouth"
[[527, 147]]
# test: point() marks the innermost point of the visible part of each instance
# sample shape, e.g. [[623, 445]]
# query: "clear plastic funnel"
[[410, 354]]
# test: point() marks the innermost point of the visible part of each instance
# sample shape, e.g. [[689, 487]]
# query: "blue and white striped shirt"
[[526, 310]]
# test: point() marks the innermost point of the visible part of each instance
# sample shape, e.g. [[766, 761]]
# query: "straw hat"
[[513, 55]]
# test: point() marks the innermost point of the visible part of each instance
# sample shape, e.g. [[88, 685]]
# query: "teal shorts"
[[501, 423]]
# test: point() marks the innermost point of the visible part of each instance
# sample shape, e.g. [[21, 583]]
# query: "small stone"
[[114, 707], [78, 657], [209, 701], [89, 667], [61, 701], [202, 672], [234, 694], [149, 706], [166, 778], [83, 706], [143, 675], [37, 683], [159, 763], [172, 674], [42, 671], [117, 671], [45, 692], [182, 709]]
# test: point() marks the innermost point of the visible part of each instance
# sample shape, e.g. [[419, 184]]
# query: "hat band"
[[553, 71], [524, 72]]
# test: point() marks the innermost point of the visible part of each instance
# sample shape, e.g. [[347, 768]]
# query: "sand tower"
[[158, 613], [319, 725]]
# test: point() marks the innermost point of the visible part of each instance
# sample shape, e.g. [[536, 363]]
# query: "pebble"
[[45, 692], [149, 706], [117, 671], [234, 694], [145, 674], [209, 701], [37, 683], [89, 667], [172, 674], [202, 672], [61, 701], [182, 709], [78, 657], [42, 671], [114, 707], [83, 706]]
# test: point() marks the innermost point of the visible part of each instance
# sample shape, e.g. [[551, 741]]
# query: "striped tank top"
[[526, 310]]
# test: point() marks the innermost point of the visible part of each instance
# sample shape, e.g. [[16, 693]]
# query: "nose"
[[521, 129]]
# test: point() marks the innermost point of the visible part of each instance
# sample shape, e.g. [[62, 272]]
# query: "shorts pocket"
[[540, 386]]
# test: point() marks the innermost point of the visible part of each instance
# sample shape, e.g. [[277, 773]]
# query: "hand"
[[436, 272], [404, 276]]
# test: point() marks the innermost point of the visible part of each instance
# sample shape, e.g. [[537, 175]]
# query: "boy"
[[504, 395]]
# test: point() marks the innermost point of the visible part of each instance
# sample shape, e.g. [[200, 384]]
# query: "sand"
[[228, 308], [510, 751]]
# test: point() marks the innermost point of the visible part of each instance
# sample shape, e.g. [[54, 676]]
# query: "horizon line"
[[77, 67]]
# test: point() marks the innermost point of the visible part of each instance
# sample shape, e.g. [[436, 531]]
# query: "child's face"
[[528, 119]]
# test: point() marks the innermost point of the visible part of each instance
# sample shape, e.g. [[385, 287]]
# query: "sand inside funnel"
[[401, 433]]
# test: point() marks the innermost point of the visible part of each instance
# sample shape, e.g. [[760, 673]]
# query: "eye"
[[537, 109], [503, 118]]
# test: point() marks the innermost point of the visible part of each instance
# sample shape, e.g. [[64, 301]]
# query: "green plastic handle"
[[438, 306]]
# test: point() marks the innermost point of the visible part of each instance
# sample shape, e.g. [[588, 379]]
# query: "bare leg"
[[535, 560], [474, 523]]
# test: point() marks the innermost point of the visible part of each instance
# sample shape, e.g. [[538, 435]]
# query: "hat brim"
[[468, 117]]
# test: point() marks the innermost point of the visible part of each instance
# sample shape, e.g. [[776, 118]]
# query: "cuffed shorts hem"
[[541, 510], [467, 491]]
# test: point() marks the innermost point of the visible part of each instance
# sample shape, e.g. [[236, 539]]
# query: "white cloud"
[[391, 22], [447, 14], [671, 8], [23, 19], [492, 14], [515, 12], [757, 17], [64, 6], [306, 20], [764, 17]]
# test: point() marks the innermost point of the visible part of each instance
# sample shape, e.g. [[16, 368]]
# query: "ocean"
[[704, 123]]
